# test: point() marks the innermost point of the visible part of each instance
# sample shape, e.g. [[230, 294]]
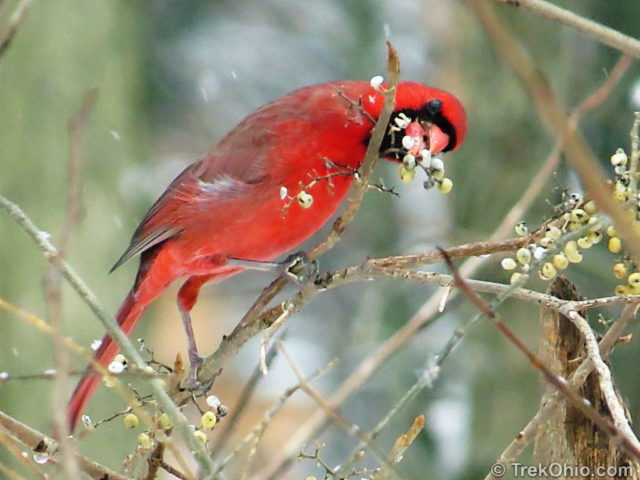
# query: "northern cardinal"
[[266, 187]]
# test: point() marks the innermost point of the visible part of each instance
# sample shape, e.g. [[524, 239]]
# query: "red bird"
[[265, 188]]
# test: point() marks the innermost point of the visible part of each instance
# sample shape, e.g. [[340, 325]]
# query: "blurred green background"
[[174, 77]]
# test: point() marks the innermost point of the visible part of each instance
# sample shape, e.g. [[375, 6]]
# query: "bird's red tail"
[[130, 311]]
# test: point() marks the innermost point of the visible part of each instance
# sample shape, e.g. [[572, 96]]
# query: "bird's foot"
[[298, 268]]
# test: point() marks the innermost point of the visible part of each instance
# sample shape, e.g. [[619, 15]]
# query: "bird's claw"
[[299, 269]]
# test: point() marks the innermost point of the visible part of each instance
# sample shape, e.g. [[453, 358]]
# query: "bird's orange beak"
[[437, 140], [429, 137]]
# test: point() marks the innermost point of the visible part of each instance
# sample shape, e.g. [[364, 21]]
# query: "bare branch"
[[18, 16], [597, 31], [53, 281], [41, 444]]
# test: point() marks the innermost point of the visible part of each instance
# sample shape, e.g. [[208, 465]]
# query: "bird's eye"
[[434, 106]]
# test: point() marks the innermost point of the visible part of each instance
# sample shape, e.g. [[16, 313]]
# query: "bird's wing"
[[231, 169], [210, 179]]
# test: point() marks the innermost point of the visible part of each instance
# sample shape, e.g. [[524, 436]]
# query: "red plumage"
[[228, 204]]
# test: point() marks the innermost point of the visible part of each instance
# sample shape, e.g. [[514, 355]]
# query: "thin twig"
[[336, 416], [232, 420], [256, 434], [597, 31], [16, 449], [43, 445], [18, 16], [76, 127]]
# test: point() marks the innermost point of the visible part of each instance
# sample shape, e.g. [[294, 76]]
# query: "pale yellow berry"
[[634, 279], [578, 215], [446, 185], [407, 174], [438, 174], [611, 231], [595, 237], [634, 290], [521, 228], [590, 207], [615, 245], [120, 358], [524, 256], [208, 420], [409, 161], [574, 257], [619, 158], [560, 261], [620, 270], [548, 271], [518, 278], [553, 232], [570, 248], [622, 290], [572, 226], [571, 251], [201, 436], [131, 420], [165, 421], [546, 242], [304, 199], [584, 242], [620, 195], [508, 263], [144, 440]]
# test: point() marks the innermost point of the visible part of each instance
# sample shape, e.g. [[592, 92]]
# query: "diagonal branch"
[[595, 30], [42, 444], [18, 16]]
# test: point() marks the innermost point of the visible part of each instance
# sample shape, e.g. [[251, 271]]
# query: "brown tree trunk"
[[568, 442]]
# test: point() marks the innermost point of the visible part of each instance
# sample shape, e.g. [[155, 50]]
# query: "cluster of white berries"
[[553, 253], [208, 420], [413, 159], [625, 192]]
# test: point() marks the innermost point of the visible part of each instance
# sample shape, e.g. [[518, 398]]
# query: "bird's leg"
[[194, 357], [297, 268], [187, 297]]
